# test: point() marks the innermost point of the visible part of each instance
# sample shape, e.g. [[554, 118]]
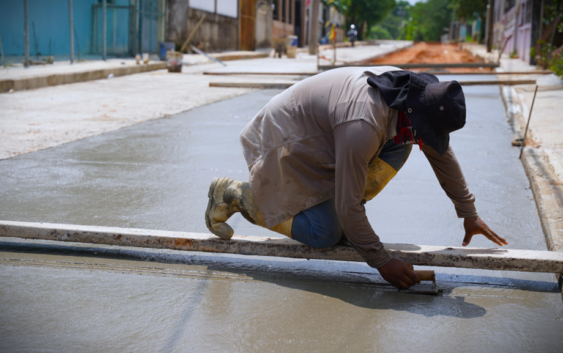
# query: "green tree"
[[378, 32], [362, 13], [469, 9], [394, 22], [428, 20]]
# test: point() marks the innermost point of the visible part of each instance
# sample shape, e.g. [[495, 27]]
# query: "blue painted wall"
[[51, 19]]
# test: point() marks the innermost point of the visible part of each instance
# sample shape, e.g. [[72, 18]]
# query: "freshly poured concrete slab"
[[101, 300], [155, 175]]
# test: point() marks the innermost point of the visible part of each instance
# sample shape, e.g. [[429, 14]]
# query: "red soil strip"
[[431, 53]]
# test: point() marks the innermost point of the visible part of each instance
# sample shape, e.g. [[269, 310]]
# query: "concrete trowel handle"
[[426, 275]]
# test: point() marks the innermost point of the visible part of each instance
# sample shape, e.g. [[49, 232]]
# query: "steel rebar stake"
[[26, 34], [104, 28], [528, 124], [71, 32]]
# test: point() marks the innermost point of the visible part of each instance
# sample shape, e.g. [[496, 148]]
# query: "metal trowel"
[[425, 288]]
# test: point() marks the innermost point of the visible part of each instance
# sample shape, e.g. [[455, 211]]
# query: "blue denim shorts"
[[319, 226]]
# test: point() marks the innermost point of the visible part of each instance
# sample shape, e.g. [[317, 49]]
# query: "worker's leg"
[[317, 226], [392, 157]]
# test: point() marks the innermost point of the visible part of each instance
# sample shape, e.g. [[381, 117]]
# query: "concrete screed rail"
[[422, 255]]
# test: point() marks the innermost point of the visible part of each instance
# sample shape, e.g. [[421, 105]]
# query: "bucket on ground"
[[164, 47], [291, 47], [174, 61]]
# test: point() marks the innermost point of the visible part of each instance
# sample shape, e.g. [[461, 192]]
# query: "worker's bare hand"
[[475, 225], [399, 273]]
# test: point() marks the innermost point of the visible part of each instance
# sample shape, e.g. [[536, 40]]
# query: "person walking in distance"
[[352, 34]]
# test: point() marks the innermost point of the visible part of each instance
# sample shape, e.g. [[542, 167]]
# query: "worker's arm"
[[356, 142], [450, 176]]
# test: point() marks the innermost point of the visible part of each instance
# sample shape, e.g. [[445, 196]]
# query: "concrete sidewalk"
[[543, 154], [362, 54], [17, 78], [37, 119], [62, 72]]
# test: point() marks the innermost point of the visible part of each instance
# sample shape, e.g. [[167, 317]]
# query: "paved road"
[[156, 175]]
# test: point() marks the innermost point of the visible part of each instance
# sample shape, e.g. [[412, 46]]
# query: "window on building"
[[508, 5], [227, 8], [204, 5], [529, 9], [283, 12], [275, 10]]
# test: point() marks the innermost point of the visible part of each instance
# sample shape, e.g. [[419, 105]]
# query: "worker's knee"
[[326, 238], [317, 226]]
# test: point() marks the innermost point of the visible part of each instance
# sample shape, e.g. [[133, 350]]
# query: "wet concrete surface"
[[156, 175]]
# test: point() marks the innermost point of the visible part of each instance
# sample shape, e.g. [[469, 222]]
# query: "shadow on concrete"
[[382, 296], [179, 330], [315, 275], [362, 289]]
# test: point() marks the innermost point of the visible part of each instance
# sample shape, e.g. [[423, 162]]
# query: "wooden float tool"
[[424, 287]]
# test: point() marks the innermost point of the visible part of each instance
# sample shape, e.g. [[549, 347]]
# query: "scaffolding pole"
[[26, 34], [71, 31], [314, 26], [104, 28]]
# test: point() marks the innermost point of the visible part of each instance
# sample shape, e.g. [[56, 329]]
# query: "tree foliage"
[[393, 24], [363, 12], [469, 9], [428, 19]]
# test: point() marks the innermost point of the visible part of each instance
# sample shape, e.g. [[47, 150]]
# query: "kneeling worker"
[[322, 148]]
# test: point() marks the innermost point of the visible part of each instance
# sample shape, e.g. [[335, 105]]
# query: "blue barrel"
[[164, 47]]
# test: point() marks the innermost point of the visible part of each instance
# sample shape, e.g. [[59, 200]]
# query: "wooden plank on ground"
[[418, 65], [477, 258], [244, 73], [256, 85], [284, 85], [234, 73]]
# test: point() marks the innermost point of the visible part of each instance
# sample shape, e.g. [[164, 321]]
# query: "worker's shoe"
[[379, 174], [227, 196]]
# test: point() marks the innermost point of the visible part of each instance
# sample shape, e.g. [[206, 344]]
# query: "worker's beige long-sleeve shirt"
[[315, 141]]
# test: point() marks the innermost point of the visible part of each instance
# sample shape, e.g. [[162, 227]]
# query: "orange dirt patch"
[[430, 53]]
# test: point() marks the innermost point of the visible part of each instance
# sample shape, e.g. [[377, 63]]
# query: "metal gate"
[[119, 29], [130, 29], [150, 24]]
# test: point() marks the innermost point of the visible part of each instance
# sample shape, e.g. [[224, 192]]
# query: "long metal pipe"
[[26, 34], [313, 26], [516, 25], [104, 28], [490, 23], [71, 31]]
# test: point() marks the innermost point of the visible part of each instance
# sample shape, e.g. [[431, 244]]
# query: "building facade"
[[132, 26], [517, 27], [219, 30]]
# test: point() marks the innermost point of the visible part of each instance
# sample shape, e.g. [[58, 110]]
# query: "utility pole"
[[104, 28], [516, 25], [452, 26], [71, 31], [26, 35], [490, 23], [313, 26]]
